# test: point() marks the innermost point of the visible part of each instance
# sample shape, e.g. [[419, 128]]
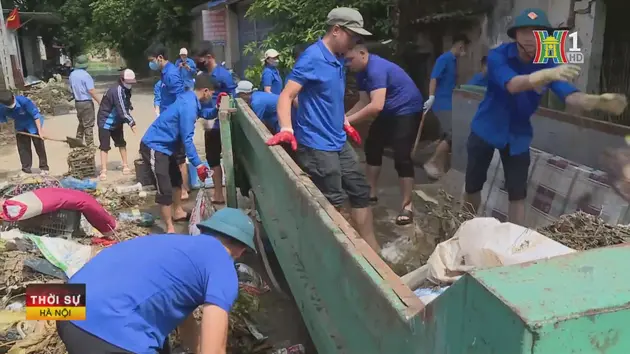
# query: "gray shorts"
[[446, 123], [337, 174]]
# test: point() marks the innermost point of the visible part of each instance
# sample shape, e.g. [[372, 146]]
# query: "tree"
[[299, 21]]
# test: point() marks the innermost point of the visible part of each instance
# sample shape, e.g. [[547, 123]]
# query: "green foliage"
[[253, 74], [299, 21]]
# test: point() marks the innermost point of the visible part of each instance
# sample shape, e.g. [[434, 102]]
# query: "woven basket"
[[81, 168]]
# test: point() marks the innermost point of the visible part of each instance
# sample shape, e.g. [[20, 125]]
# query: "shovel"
[[72, 142]]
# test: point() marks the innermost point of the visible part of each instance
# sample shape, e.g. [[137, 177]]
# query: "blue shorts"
[[515, 168]]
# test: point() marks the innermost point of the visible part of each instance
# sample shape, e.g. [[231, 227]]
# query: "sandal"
[[185, 218], [218, 202], [103, 175], [373, 200], [405, 217], [126, 170]]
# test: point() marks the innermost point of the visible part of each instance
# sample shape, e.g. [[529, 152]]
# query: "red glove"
[[352, 133], [284, 136], [202, 172], [219, 97]]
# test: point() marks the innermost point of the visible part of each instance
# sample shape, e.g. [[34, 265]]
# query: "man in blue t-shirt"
[[319, 132], [264, 104], [139, 291], [204, 56], [502, 121], [387, 92], [441, 86], [481, 78]]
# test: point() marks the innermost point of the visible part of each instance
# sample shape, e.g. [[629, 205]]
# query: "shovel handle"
[[415, 144], [39, 137]]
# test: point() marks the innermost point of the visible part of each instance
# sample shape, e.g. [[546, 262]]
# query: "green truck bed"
[[352, 302]]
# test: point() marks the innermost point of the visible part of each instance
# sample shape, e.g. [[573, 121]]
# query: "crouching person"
[[112, 113], [262, 103], [139, 291], [29, 120]]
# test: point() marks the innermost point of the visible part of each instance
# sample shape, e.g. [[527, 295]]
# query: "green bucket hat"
[[81, 62], [230, 222], [530, 18]]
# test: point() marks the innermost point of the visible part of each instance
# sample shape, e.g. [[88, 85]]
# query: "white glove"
[[608, 102], [543, 77], [429, 103]]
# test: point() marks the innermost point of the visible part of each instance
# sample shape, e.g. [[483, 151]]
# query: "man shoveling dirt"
[[139, 291]]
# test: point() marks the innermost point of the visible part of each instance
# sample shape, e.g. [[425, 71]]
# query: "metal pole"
[[5, 59]]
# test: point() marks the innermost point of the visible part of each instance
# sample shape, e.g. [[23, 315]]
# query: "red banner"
[[13, 21]]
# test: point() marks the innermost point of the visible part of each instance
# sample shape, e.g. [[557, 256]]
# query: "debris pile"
[[582, 231], [113, 201], [7, 133], [49, 95], [82, 162]]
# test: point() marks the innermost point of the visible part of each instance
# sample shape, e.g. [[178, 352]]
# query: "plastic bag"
[[203, 209], [250, 281], [66, 255]]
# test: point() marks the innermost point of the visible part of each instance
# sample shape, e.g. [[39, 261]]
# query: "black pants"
[[26, 154], [212, 140], [78, 341], [399, 132], [105, 135], [166, 174]]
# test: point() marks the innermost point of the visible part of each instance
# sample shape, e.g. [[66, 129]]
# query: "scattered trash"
[[294, 349], [114, 202], [250, 281], [66, 255], [45, 267], [426, 295], [49, 95], [137, 217], [78, 184], [581, 231], [129, 189], [203, 209]]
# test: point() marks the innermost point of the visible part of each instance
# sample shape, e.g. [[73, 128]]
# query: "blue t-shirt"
[[172, 85], [445, 72], [174, 126], [187, 75], [23, 114], [81, 83], [271, 77], [502, 117], [138, 291], [320, 114], [480, 79], [224, 79], [402, 97], [265, 104]]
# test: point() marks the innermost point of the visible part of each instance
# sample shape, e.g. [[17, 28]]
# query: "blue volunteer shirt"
[[504, 118], [138, 291], [271, 77], [445, 72], [157, 93], [24, 115], [320, 114], [81, 83], [175, 125], [226, 84], [402, 97], [264, 104], [172, 85], [480, 79], [188, 76]]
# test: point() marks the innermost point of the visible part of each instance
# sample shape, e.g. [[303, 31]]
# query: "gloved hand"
[[219, 97], [352, 133], [284, 136], [565, 72], [202, 172], [429, 103], [610, 102]]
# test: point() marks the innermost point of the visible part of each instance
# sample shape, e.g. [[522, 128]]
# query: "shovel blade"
[[74, 142]]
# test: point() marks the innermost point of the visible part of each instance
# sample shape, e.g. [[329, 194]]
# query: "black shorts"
[[212, 140], [117, 135], [336, 174], [78, 341], [180, 154], [515, 168], [166, 173], [399, 132]]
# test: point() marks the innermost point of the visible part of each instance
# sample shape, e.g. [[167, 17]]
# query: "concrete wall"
[[579, 139]]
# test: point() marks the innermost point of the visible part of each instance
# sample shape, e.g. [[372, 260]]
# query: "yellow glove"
[[612, 103], [544, 77]]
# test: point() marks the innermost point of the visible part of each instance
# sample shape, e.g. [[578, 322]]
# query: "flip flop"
[[126, 170], [373, 200], [405, 217], [215, 202], [103, 176], [185, 218]]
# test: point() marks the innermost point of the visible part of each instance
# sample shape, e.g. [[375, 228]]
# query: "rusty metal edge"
[[406, 296]]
